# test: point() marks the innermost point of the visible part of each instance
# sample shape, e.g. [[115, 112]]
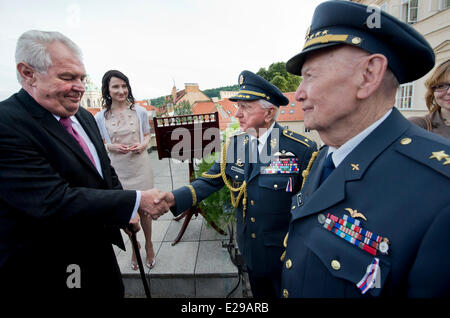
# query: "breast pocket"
[[235, 173], [346, 261], [277, 182]]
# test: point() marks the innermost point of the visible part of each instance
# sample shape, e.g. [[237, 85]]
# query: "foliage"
[[215, 92], [278, 76], [158, 102], [217, 206], [183, 108]]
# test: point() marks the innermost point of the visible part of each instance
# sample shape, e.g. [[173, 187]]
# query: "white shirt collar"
[[73, 119], [263, 138], [340, 153]]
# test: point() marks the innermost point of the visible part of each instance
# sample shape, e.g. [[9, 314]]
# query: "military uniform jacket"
[[261, 231], [398, 178]]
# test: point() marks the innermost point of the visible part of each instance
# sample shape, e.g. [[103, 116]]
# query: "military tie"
[[328, 168], [253, 154], [67, 124]]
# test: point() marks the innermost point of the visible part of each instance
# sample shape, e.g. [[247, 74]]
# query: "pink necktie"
[[67, 124]]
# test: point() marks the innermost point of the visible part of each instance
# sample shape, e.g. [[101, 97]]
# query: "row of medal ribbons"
[[282, 165]]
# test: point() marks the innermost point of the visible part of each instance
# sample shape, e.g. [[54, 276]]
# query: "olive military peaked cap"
[[253, 87], [342, 22]]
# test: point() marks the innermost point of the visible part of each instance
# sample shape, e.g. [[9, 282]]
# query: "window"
[[409, 10], [291, 111], [403, 98], [283, 111], [444, 4], [293, 105]]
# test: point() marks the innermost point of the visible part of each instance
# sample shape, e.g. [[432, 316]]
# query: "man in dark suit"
[[262, 166], [373, 217], [61, 203]]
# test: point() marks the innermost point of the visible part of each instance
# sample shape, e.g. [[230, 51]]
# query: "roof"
[[227, 109], [292, 111]]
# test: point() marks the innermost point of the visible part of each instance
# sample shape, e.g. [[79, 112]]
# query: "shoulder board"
[[298, 137], [427, 151]]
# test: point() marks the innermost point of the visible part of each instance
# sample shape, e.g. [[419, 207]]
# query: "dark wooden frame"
[[164, 127]]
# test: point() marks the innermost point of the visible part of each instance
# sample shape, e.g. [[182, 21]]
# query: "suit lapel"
[[51, 125], [318, 198]]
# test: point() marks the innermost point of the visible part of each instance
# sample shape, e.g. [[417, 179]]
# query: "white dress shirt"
[[263, 138]]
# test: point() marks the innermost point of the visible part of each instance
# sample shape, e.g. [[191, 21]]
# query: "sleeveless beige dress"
[[134, 170]]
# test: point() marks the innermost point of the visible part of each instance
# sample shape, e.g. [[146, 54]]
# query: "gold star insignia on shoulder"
[[439, 155], [355, 166], [355, 214], [446, 162]]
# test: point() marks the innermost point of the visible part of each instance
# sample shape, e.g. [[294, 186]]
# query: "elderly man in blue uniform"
[[373, 216], [262, 167]]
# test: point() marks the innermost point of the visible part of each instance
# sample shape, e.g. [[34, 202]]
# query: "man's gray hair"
[[32, 49], [265, 104]]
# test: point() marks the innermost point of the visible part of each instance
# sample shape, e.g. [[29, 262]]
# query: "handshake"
[[154, 203]]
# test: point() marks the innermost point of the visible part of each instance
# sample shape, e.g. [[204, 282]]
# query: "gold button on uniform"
[[285, 293], [275, 186], [288, 264], [293, 207], [252, 202], [405, 141], [253, 235], [335, 265], [253, 219]]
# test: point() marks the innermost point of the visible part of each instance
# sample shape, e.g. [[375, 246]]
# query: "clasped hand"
[[121, 148], [154, 203]]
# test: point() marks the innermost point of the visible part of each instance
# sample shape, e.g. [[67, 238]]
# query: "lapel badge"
[[355, 214], [239, 162], [299, 199], [355, 166], [273, 143], [245, 140]]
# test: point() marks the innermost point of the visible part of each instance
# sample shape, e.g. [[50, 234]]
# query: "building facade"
[[431, 18]]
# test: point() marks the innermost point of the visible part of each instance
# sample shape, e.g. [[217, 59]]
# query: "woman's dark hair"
[[106, 98]]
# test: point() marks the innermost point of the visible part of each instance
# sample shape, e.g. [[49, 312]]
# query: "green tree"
[[278, 76], [183, 108], [280, 82]]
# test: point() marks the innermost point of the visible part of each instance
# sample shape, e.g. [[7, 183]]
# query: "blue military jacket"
[[261, 231], [398, 178]]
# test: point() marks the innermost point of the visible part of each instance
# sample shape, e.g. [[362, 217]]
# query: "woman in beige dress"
[[126, 132]]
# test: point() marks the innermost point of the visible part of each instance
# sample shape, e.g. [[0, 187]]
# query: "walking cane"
[[139, 260]]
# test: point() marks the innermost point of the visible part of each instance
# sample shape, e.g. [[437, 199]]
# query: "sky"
[[159, 43]]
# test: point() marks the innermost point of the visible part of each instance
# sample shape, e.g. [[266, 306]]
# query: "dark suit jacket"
[[260, 234], [393, 178], [55, 208]]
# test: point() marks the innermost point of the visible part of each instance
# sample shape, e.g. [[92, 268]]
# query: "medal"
[[350, 230]]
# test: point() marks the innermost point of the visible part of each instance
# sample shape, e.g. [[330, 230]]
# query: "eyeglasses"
[[440, 88]]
